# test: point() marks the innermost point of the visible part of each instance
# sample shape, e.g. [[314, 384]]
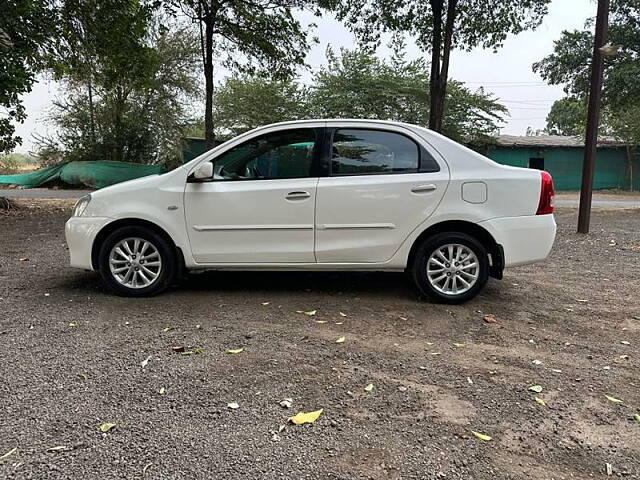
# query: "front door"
[[382, 184], [259, 206]]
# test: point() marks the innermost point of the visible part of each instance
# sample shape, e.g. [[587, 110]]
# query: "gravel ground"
[[72, 354]]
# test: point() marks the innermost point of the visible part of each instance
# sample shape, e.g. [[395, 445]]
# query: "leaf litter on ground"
[[106, 427], [302, 418]]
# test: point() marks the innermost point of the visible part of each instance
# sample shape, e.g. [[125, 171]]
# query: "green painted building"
[[617, 166]]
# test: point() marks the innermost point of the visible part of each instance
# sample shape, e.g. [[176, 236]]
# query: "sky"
[[506, 73]]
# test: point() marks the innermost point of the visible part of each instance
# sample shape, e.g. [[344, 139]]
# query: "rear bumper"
[[524, 239], [80, 232]]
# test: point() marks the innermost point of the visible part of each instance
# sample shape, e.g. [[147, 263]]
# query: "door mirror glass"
[[204, 171]]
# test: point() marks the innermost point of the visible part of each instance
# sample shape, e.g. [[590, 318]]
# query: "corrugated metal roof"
[[552, 141]]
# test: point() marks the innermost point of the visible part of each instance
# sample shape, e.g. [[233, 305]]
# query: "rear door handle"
[[297, 195], [424, 188]]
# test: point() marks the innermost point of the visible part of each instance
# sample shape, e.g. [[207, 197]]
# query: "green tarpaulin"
[[83, 174]]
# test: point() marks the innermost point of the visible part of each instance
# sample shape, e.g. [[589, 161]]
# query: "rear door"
[[383, 182]]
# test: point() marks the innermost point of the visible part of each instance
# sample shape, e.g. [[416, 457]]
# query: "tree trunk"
[[434, 83], [208, 76], [444, 70], [92, 120]]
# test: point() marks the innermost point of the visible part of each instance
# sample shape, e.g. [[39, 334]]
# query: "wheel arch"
[[473, 229], [130, 222]]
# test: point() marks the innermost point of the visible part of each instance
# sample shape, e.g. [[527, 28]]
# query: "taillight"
[[545, 206]]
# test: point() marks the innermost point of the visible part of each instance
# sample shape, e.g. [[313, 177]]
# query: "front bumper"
[[80, 233], [525, 239]]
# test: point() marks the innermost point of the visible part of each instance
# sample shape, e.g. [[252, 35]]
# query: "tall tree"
[[128, 102], [568, 116], [355, 84], [262, 32], [26, 27], [439, 27], [570, 62]]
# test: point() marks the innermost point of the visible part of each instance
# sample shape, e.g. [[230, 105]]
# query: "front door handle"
[[297, 195], [424, 188]]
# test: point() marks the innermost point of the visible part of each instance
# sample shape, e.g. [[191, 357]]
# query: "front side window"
[[286, 154], [361, 152]]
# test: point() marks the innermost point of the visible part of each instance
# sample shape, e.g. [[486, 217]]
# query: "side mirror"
[[204, 171]]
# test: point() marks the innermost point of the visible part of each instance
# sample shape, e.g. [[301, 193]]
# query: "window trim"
[[314, 171], [328, 148]]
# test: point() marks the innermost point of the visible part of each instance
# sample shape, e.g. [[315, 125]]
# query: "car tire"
[[151, 268], [443, 267]]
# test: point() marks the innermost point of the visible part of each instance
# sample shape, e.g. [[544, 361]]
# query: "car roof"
[[344, 120]]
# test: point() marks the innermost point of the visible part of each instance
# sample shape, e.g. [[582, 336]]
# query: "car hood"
[[128, 186]]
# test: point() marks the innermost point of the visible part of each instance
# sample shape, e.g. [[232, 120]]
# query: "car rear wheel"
[[451, 267], [137, 262]]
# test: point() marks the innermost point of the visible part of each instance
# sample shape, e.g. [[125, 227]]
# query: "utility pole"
[[590, 147]]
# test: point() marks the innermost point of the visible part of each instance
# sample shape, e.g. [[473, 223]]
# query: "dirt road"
[[72, 360]]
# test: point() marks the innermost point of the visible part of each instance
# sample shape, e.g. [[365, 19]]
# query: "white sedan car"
[[321, 195]]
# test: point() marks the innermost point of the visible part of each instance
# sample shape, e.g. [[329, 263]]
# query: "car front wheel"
[[451, 267], [137, 262]]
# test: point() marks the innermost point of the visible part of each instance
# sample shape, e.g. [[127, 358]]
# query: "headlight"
[[81, 205]]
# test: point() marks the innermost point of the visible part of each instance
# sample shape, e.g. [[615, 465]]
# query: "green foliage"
[[26, 27], [245, 35], [440, 26], [356, 84], [483, 24], [243, 102], [568, 116], [128, 105], [570, 64]]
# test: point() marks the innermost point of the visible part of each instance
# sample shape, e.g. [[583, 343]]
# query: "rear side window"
[[362, 152]]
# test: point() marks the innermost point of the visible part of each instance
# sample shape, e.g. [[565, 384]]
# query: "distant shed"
[[617, 167]]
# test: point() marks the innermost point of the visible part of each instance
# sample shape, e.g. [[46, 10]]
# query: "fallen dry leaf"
[[459, 345], [490, 319], [105, 427], [636, 417], [341, 340], [540, 401], [197, 351], [145, 362], [613, 399], [369, 388], [481, 436], [233, 351], [57, 449], [302, 418], [10, 452]]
